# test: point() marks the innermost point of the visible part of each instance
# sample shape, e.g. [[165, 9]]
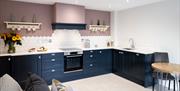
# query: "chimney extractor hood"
[[67, 16], [69, 26]]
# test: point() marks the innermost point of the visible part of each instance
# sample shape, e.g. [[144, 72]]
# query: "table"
[[167, 68]]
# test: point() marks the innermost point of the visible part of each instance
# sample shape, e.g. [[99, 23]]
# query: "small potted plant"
[[11, 39]]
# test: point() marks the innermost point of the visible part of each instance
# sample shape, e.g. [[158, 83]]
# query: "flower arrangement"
[[11, 39]]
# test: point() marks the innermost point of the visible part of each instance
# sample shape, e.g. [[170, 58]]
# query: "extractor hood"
[[70, 17], [68, 26]]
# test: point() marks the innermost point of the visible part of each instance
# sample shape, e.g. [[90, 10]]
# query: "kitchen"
[[66, 33]]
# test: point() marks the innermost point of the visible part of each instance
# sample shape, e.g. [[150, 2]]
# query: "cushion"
[[35, 83], [7, 83], [58, 86]]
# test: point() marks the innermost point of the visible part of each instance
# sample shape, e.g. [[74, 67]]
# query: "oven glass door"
[[73, 62]]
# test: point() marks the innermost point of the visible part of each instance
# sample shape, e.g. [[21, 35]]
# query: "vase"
[[11, 49]]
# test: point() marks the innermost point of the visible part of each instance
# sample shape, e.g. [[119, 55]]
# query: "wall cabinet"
[[133, 66], [5, 65], [97, 62]]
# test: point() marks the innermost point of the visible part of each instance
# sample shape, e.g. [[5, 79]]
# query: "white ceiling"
[[107, 5]]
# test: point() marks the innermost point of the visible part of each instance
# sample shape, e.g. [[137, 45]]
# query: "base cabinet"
[[5, 65], [52, 66], [22, 65], [133, 66], [118, 62], [97, 62]]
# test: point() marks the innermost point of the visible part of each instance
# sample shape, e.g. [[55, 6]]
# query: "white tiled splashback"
[[59, 39], [99, 41], [66, 39], [27, 43]]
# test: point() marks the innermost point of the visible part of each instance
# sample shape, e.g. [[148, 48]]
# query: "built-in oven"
[[73, 61]]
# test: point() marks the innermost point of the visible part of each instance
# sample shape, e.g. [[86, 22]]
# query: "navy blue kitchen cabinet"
[[133, 66], [90, 66], [104, 59], [5, 65], [118, 62], [48, 66], [52, 66], [97, 62], [22, 65], [69, 76]]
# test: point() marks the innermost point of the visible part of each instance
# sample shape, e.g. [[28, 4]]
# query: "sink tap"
[[131, 41]]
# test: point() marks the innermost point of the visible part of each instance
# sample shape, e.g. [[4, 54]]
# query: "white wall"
[[155, 26]]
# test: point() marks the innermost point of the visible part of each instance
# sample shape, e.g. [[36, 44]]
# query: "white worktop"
[[30, 53], [142, 51]]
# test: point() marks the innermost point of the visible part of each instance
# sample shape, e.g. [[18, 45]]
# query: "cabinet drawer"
[[54, 66], [52, 71], [90, 66], [52, 60], [59, 56], [94, 52], [89, 60], [49, 75]]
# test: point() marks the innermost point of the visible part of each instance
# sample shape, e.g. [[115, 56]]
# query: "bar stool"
[[162, 57]]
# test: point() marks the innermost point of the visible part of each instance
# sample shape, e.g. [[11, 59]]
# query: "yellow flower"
[[18, 37], [14, 38]]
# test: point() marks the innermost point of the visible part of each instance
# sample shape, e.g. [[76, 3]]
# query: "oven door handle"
[[74, 56]]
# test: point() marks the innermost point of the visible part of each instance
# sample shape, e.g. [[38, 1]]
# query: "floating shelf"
[[96, 28], [29, 26]]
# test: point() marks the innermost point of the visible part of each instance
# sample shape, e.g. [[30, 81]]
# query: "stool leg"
[[165, 80], [153, 83], [174, 85], [179, 84], [169, 84]]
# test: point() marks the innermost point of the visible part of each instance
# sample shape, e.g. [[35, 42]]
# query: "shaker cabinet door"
[[5, 65], [22, 65]]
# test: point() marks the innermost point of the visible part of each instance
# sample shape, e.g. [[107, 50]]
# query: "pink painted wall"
[[92, 16], [44, 14], [67, 13]]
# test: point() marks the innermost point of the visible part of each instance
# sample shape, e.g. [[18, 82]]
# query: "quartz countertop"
[[142, 51], [30, 53]]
